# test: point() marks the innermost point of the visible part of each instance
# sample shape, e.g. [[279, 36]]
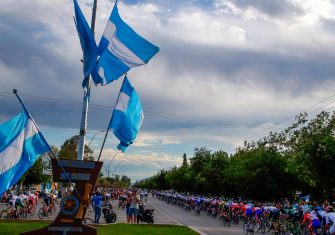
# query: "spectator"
[[133, 208], [97, 203], [129, 195]]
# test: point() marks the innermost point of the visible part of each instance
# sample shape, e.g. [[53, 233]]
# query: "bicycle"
[[227, 218], [46, 211], [248, 226], [235, 217], [260, 225], [14, 213], [29, 210], [8, 213]]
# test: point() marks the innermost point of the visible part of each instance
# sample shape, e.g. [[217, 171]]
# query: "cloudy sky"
[[227, 71]]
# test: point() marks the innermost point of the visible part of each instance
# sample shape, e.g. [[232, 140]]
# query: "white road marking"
[[177, 222]]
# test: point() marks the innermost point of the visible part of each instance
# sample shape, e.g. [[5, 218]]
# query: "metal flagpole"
[[103, 143], [83, 124]]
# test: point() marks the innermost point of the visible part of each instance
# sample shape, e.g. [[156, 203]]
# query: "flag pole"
[[103, 143], [53, 155], [83, 123]]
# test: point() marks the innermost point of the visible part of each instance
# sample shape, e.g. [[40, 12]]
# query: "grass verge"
[[15, 228]]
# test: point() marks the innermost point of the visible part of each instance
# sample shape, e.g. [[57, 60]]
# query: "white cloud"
[[230, 63]]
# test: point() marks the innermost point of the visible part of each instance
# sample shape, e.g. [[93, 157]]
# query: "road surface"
[[202, 223], [167, 214]]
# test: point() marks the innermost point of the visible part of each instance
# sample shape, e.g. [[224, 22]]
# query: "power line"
[[293, 116], [110, 108]]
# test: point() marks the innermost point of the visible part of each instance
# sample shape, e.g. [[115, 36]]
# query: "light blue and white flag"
[[120, 49], [306, 198], [87, 42], [127, 116], [20, 145]]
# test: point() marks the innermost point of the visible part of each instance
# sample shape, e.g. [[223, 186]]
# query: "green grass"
[[14, 228], [11, 228]]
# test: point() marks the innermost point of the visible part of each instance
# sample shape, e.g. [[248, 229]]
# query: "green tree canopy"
[[69, 150]]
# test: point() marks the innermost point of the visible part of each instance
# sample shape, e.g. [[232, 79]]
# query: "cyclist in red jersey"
[[312, 220]]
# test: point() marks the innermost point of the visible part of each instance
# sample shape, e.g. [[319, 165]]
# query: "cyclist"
[[247, 210], [198, 205], [258, 212], [225, 211], [322, 215], [312, 220], [32, 198], [48, 199], [235, 208], [12, 200], [331, 220], [22, 200]]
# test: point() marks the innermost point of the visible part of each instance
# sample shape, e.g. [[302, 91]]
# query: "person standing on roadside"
[[128, 200], [133, 208], [97, 204]]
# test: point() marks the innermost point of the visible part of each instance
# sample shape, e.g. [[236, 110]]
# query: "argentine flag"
[[120, 49], [127, 116], [20, 145], [87, 42]]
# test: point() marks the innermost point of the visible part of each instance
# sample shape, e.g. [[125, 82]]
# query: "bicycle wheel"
[[23, 214], [113, 217], [88, 221], [262, 225], [245, 228], [236, 219], [41, 213], [32, 211], [251, 228], [4, 214], [53, 210]]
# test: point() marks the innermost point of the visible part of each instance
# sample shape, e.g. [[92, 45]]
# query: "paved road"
[[202, 223], [169, 214]]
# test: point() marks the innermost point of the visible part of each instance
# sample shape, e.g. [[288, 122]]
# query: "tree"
[[69, 150], [185, 164], [301, 157], [36, 173]]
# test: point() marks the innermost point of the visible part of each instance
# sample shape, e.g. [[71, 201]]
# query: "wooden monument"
[[73, 207]]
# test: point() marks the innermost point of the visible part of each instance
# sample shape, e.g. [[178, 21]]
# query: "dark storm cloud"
[[272, 8], [34, 69], [307, 68], [175, 4], [45, 73]]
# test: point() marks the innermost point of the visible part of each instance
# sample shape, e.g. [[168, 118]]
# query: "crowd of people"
[[129, 200], [301, 213]]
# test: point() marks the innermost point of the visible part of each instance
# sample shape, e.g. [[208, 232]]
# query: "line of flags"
[[119, 50]]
